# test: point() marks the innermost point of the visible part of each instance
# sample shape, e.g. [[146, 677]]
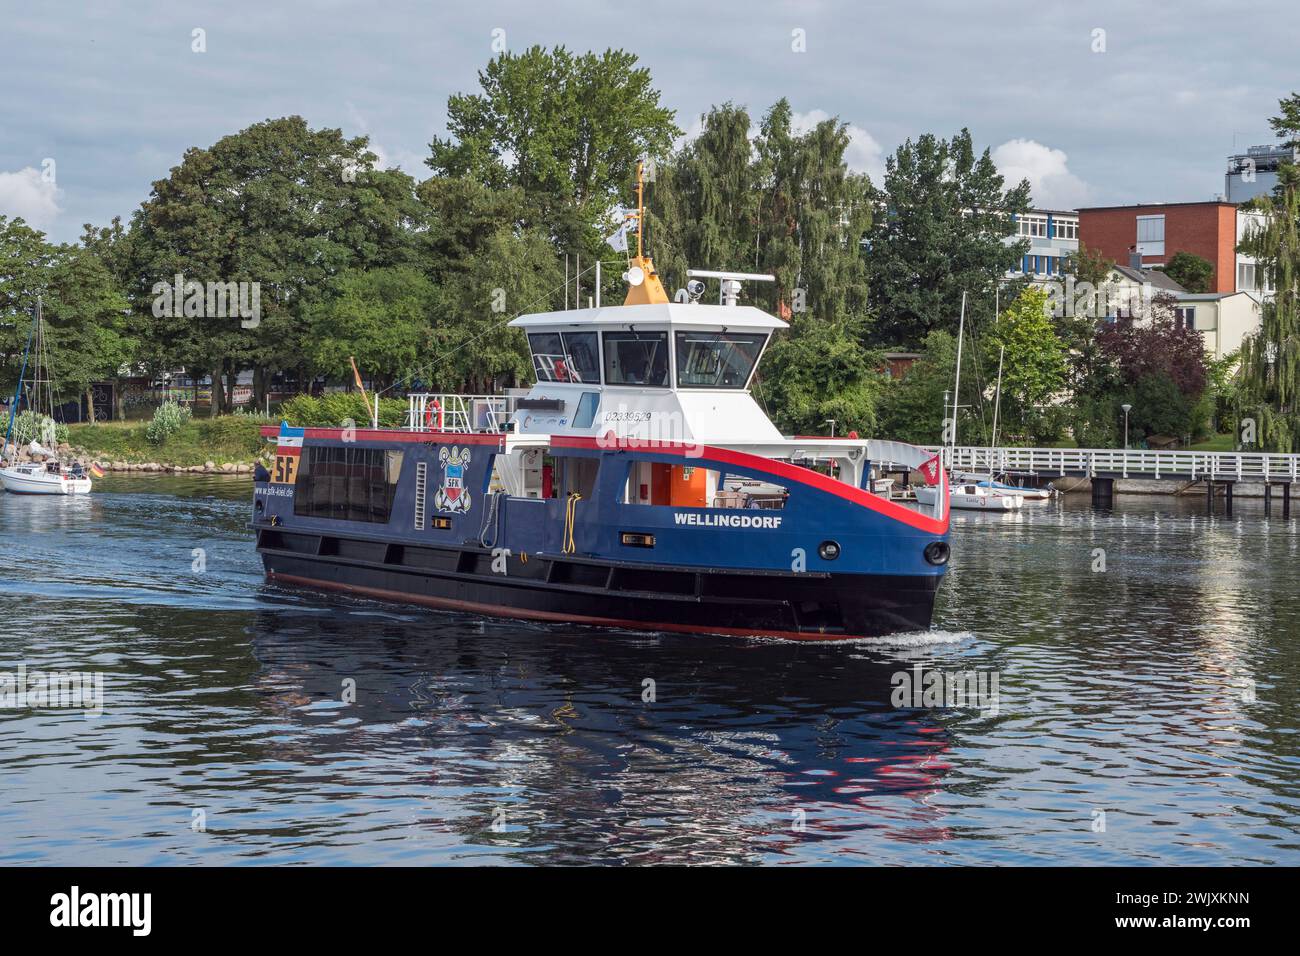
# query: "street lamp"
[[1127, 409], [831, 422]]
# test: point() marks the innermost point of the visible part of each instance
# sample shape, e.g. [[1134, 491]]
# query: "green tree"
[[566, 129], [819, 371], [1270, 359], [86, 328], [277, 204], [1191, 271], [812, 216], [912, 409], [489, 267], [382, 317], [1034, 364], [944, 231], [703, 206]]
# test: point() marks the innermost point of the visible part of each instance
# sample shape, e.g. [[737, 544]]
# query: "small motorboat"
[[45, 478], [1029, 494], [973, 497]]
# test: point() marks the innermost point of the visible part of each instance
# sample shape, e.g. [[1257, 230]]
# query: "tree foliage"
[[1190, 271], [947, 218], [817, 372], [1270, 359], [1034, 364], [566, 129]]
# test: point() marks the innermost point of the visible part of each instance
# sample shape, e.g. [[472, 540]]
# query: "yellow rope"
[[570, 513]]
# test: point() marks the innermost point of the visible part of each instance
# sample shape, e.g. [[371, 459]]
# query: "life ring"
[[428, 414]]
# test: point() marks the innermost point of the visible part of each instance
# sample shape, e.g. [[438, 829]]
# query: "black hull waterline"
[[573, 589]]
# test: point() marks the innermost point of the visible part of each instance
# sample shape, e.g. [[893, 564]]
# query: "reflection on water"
[[1147, 711]]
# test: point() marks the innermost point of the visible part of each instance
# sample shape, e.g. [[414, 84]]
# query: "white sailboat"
[[971, 495], [49, 476]]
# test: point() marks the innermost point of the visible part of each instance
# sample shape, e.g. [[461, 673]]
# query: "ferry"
[[637, 484]]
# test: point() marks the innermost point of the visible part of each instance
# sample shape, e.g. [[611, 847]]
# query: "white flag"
[[618, 241]]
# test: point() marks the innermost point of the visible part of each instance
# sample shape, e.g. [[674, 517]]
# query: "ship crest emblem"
[[453, 496]]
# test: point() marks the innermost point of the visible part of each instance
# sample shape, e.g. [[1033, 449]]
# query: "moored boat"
[[984, 481], [39, 478], [973, 497], [43, 473]]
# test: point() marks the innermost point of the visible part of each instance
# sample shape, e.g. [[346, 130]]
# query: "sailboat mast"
[[956, 385], [18, 389], [997, 400]]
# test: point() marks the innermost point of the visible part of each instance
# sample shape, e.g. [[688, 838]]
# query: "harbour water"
[[1146, 659]]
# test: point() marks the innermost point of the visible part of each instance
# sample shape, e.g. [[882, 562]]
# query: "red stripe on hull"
[[803, 476], [499, 610]]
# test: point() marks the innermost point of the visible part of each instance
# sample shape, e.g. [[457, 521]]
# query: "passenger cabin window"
[[636, 358], [347, 484], [689, 486], [717, 359], [565, 356]]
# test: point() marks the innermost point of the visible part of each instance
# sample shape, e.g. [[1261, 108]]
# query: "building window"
[[1035, 227], [1185, 318], [636, 358], [346, 484], [1065, 228], [1151, 235]]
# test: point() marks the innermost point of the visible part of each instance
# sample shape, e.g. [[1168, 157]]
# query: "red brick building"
[[1158, 231]]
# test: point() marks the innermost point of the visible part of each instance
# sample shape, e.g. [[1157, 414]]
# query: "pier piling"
[[1103, 492], [1286, 501], [1268, 499], [1227, 498]]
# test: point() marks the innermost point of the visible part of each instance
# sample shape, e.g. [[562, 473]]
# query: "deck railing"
[[427, 411], [1121, 463]]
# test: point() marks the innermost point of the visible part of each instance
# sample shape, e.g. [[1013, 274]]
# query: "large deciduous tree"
[[565, 128], [278, 204], [948, 215]]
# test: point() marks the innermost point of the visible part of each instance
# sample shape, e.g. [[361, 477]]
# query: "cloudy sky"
[[101, 98]]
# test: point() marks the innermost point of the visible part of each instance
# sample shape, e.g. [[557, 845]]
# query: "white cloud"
[[1048, 172], [28, 194], [864, 153]]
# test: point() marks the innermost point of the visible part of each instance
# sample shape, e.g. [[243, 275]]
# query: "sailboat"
[[988, 481], [970, 495], [50, 476]]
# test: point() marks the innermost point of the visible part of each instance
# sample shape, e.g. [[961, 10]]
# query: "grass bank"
[[231, 439]]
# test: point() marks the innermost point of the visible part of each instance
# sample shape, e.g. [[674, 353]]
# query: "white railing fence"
[[1121, 463], [458, 413]]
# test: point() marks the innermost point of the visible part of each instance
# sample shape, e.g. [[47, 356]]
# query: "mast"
[[644, 285], [18, 389], [956, 385], [997, 400]]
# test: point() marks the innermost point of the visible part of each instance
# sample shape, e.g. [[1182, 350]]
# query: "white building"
[[1053, 236]]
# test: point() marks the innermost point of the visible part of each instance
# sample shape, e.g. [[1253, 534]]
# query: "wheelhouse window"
[[636, 358], [347, 484], [565, 356], [717, 359]]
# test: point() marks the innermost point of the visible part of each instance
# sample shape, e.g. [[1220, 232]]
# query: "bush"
[[335, 409], [168, 419], [31, 426]]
